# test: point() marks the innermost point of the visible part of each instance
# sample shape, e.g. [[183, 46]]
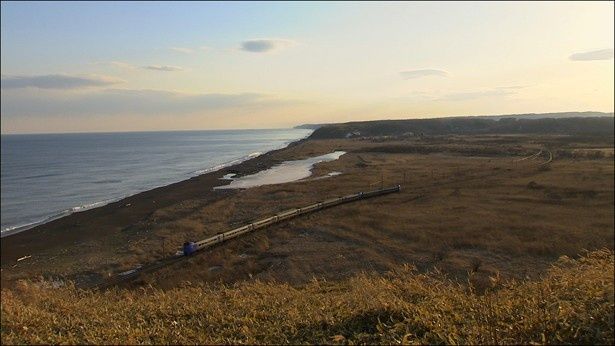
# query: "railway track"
[[549, 160], [285, 215], [193, 248], [537, 155], [531, 157]]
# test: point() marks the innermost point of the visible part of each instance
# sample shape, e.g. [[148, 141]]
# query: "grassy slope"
[[469, 125], [573, 303]]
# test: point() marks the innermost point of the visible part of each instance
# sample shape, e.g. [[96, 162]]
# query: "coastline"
[[79, 208], [427, 224], [122, 213]]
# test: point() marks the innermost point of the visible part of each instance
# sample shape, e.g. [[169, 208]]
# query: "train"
[[191, 247]]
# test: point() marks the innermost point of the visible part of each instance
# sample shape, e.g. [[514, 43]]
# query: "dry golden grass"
[[484, 214], [573, 303], [480, 209]]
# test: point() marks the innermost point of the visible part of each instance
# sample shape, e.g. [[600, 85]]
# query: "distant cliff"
[[309, 126], [550, 123]]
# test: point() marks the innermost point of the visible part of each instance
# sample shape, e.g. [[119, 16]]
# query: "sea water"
[[48, 176], [285, 172]]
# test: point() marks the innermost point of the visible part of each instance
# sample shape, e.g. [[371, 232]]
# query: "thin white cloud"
[[412, 74], [512, 87], [437, 95], [601, 54], [127, 66], [182, 50], [166, 68], [118, 64], [264, 45], [57, 81], [471, 95], [24, 102]]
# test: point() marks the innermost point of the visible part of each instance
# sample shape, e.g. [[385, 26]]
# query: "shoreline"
[[13, 230], [427, 224], [121, 214]]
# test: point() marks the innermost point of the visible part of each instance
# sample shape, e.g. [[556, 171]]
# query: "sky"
[[147, 66]]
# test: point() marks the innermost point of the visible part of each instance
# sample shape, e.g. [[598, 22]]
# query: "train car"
[[190, 247]]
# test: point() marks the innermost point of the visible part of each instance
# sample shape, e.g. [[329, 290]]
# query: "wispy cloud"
[[471, 95], [166, 68], [127, 66], [437, 95], [57, 81], [182, 50], [126, 101], [411, 74], [118, 64], [512, 87], [601, 54], [265, 45]]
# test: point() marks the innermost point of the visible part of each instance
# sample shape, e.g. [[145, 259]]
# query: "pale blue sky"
[[68, 32], [154, 66]]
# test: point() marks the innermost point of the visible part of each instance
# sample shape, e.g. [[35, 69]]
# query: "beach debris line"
[[191, 247]]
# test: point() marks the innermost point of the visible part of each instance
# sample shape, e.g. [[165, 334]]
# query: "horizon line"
[[612, 113]]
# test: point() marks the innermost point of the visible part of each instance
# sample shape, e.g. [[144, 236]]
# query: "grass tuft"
[[572, 303]]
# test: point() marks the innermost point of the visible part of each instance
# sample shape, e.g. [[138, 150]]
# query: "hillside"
[[514, 124], [572, 304], [480, 246], [558, 115]]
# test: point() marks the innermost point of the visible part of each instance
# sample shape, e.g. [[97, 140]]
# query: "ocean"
[[47, 176]]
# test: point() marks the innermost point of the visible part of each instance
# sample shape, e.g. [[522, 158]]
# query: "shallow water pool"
[[285, 172]]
